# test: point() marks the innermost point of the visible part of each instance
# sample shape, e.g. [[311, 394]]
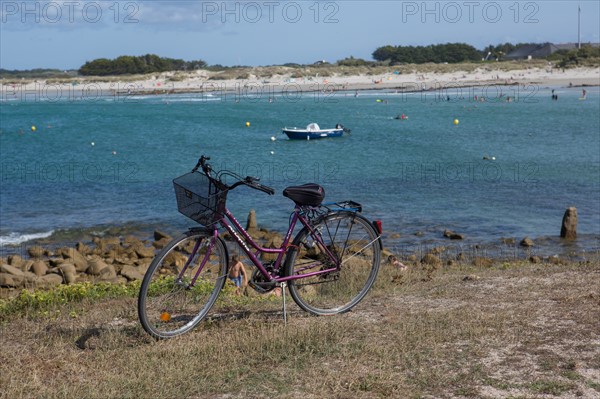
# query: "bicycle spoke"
[[353, 243], [169, 303]]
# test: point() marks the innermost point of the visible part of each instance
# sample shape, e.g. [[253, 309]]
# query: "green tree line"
[[35, 74], [128, 65], [436, 53], [461, 52]]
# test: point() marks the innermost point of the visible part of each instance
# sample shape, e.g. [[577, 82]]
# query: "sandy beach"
[[291, 81]]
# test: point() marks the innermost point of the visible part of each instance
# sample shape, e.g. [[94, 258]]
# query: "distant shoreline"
[[287, 81]]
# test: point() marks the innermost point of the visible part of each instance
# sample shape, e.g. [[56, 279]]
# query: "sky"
[[64, 34]]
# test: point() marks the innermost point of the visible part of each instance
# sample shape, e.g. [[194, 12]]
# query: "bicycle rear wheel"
[[349, 242], [170, 303]]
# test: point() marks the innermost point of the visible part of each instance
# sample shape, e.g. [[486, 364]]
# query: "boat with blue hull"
[[313, 132]]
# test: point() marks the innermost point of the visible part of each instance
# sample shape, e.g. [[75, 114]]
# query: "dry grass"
[[510, 330]]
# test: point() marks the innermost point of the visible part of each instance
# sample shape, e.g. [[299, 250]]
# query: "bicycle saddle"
[[310, 194]]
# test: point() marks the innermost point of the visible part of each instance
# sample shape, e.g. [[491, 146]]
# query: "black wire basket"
[[199, 198]]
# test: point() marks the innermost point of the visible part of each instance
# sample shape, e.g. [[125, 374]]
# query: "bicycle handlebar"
[[206, 168], [250, 181], [253, 183]]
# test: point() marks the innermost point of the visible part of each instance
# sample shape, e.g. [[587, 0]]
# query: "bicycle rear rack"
[[343, 205]]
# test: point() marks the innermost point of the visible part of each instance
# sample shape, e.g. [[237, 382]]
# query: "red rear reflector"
[[378, 226]]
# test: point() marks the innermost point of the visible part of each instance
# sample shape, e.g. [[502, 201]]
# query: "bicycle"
[[328, 267]]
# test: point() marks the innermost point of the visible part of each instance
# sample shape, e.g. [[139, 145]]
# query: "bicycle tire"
[[167, 306], [354, 242]]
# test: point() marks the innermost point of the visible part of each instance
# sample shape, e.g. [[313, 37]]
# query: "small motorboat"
[[313, 131]]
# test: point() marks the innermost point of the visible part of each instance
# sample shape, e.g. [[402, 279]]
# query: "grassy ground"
[[513, 330]]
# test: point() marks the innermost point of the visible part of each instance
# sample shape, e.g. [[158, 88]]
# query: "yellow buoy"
[[456, 121], [247, 124], [33, 128]]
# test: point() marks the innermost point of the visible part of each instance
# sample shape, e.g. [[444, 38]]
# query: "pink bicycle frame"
[[245, 242]]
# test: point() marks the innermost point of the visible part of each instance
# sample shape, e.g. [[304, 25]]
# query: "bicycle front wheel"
[[345, 242], [182, 284]]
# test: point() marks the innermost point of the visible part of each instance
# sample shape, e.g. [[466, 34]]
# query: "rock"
[[112, 254], [15, 260], [131, 248], [104, 244], [129, 240], [419, 233], [175, 261], [54, 262], [95, 266], [431, 259], [386, 253], [569, 224], [160, 244], [159, 235], [12, 270], [35, 251], [452, 235], [258, 234], [275, 242], [83, 249], [8, 280], [526, 242], [70, 278], [395, 236], [143, 265], [251, 224], [535, 259], [26, 266], [31, 281], [437, 250], [145, 252], [108, 273], [76, 258], [39, 267], [67, 268], [131, 272], [51, 279]]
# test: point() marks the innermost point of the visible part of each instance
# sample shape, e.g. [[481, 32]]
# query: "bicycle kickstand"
[[283, 285]]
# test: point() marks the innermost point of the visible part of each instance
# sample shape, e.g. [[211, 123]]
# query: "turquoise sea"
[[94, 163]]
